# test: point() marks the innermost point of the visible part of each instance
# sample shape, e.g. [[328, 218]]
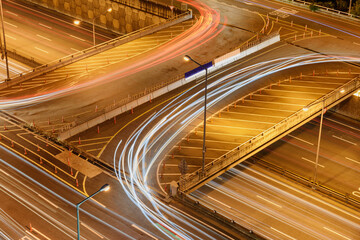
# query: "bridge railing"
[[189, 181], [95, 49]]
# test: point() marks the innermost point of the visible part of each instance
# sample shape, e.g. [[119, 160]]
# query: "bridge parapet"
[[225, 162]]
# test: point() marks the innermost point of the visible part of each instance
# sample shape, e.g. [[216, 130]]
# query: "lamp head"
[[76, 22], [109, 9], [105, 188], [305, 109], [342, 90], [187, 58]]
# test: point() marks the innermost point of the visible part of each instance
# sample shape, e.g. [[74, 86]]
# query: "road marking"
[[12, 13], [77, 38], [92, 230], [203, 223], [45, 26], [142, 230], [54, 205], [356, 43], [41, 50], [352, 160], [98, 203], [351, 127], [219, 202], [269, 201], [43, 235], [4, 172], [312, 162], [336, 233], [8, 36], [282, 233], [301, 139], [43, 37], [344, 140], [10, 24], [74, 49], [32, 235]]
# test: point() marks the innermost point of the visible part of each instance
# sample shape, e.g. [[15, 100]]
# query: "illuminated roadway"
[[44, 35], [317, 44]]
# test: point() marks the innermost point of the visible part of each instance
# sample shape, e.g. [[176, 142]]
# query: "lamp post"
[[188, 58], [106, 187], [4, 51], [318, 144], [94, 41], [350, 6]]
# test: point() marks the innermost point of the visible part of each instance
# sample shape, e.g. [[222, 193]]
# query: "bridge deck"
[[79, 72], [247, 118]]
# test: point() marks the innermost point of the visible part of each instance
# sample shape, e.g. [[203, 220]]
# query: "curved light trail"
[[141, 152], [201, 32]]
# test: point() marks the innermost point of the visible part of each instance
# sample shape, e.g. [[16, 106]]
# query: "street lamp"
[[94, 41], [105, 188], [188, 58], [4, 51], [76, 22]]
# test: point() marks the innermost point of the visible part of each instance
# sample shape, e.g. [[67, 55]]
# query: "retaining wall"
[[125, 17], [350, 108]]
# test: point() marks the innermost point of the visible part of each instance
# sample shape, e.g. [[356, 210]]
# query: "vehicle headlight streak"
[[147, 144]]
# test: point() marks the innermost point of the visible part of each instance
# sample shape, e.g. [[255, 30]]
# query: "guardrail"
[[225, 161], [329, 10], [157, 90], [95, 49]]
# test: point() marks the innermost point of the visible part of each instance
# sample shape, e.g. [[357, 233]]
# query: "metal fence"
[[95, 50], [225, 161]]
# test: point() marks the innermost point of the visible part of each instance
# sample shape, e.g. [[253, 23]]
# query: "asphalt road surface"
[[44, 35]]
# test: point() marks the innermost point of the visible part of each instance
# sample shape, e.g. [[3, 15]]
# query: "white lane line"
[[4, 172], [203, 223], [43, 37], [98, 203], [35, 230], [75, 49], [32, 235], [312, 162], [12, 13], [45, 26], [142, 230], [47, 200], [330, 230], [350, 159], [219, 202], [92, 230], [77, 37], [41, 50], [356, 43], [301, 139], [344, 140], [8, 36], [269, 201], [10, 24], [282, 233], [343, 124]]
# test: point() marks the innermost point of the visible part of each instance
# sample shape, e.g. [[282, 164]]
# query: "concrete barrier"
[[69, 132]]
